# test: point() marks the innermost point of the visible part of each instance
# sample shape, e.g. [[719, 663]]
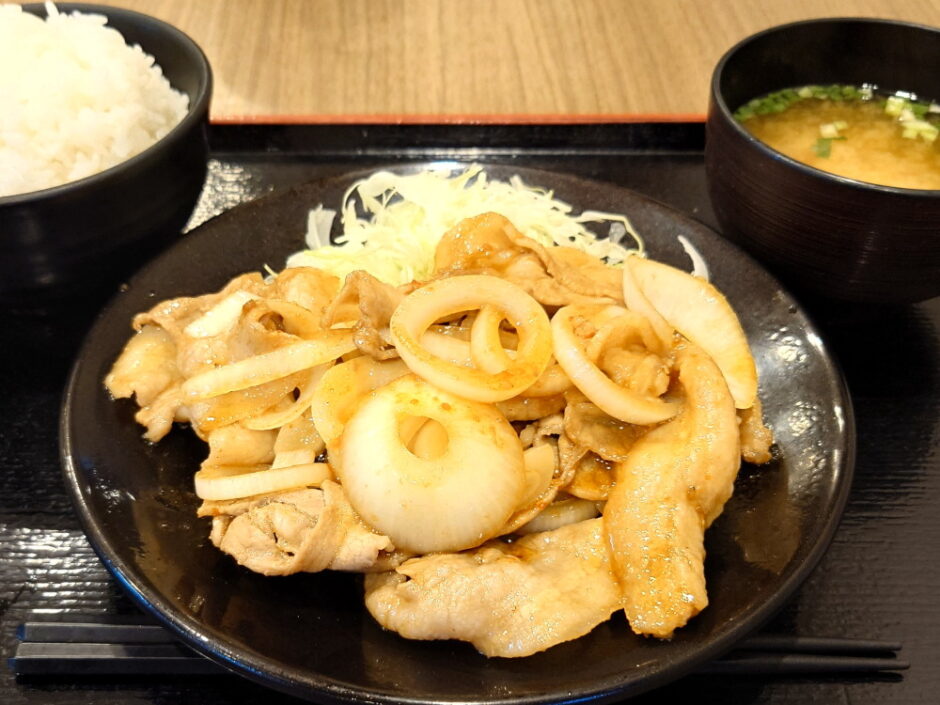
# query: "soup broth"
[[865, 137]]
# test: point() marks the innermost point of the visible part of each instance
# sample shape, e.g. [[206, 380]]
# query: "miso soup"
[[853, 132]]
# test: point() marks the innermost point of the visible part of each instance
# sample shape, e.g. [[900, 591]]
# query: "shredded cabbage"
[[699, 265], [392, 223]]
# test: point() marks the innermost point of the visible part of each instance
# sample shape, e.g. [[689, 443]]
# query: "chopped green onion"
[[919, 110], [823, 147], [902, 106]]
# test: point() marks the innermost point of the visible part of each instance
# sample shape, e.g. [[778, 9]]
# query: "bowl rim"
[[718, 101], [197, 107]]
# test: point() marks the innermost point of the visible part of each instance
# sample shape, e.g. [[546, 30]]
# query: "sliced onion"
[[408, 428], [553, 381], [701, 313], [298, 456], [446, 347], [424, 437], [234, 482], [611, 398], [462, 332], [221, 317], [243, 404], [342, 388], [297, 443], [560, 513], [455, 347], [486, 346], [280, 417], [540, 463], [636, 301], [443, 297], [269, 366], [456, 500], [430, 441], [544, 477]]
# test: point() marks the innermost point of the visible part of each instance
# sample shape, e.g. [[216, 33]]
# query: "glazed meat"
[[304, 530], [507, 599], [557, 276], [456, 438], [370, 303], [756, 438], [672, 486]]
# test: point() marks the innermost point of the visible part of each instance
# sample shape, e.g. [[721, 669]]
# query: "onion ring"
[[486, 347], [454, 501], [443, 297]]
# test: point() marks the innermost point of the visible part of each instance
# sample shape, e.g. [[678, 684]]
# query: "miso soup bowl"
[[824, 234], [67, 241]]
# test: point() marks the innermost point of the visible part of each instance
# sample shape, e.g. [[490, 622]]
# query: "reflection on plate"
[[310, 635]]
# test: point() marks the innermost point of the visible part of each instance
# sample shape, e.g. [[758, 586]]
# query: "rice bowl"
[[79, 237], [75, 99]]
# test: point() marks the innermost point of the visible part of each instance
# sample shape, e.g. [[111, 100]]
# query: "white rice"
[[75, 99]]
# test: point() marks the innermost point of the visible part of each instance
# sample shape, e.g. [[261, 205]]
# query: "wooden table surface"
[[482, 60]]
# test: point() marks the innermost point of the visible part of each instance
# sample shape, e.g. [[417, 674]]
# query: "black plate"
[[310, 635]]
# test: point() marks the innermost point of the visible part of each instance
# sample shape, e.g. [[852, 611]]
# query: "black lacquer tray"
[[881, 552]]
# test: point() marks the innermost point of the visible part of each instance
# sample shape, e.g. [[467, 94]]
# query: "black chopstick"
[[93, 632], [92, 648], [816, 644], [757, 664], [78, 659]]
